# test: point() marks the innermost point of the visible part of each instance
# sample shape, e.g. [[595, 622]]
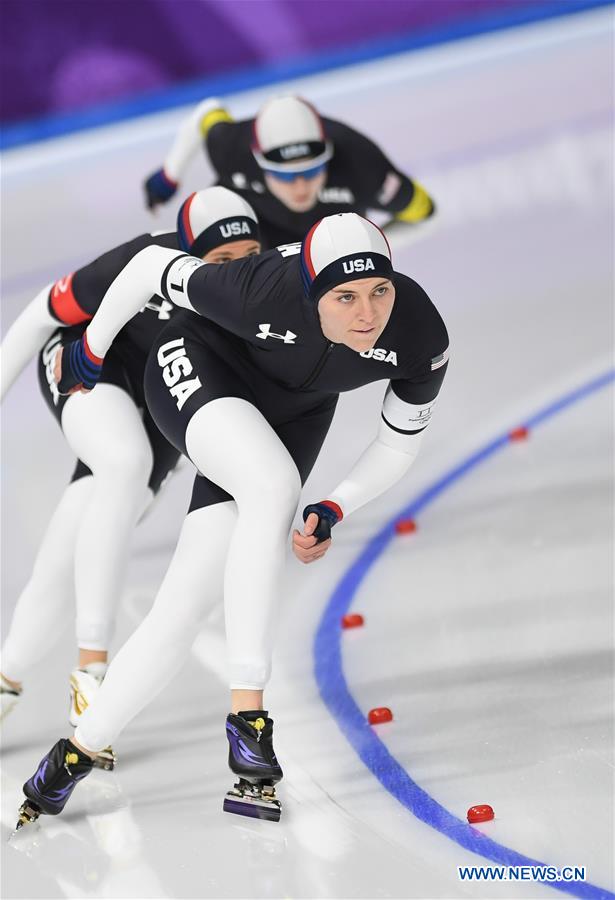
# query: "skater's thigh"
[[105, 429], [183, 374], [165, 455], [112, 373], [199, 390]]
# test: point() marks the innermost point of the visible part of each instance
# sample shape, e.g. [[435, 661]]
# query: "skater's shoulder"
[[229, 145], [415, 319], [251, 280], [162, 238], [412, 297], [348, 142]]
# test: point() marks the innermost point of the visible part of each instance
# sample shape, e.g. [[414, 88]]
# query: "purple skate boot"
[[252, 758], [54, 781]]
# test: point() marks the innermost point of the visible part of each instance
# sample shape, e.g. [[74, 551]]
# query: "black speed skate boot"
[[53, 782], [252, 758]]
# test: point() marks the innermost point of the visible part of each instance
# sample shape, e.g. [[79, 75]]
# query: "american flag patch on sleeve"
[[438, 361]]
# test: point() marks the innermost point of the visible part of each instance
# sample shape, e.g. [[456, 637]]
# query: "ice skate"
[[252, 758], [53, 782], [9, 697], [84, 685]]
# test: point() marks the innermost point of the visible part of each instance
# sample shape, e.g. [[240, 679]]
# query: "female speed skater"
[[245, 382], [293, 167], [122, 456]]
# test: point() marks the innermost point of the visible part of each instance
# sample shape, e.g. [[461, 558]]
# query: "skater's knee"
[[126, 465], [277, 490]]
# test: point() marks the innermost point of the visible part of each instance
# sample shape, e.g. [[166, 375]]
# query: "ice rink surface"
[[489, 632]]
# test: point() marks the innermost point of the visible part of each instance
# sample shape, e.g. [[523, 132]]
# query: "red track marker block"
[[405, 526], [352, 620], [481, 813], [379, 714], [519, 434]]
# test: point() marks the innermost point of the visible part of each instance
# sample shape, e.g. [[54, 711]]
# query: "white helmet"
[[342, 248], [213, 217], [289, 136]]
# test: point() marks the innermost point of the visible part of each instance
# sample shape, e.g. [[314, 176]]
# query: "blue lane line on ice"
[[351, 720], [51, 126]]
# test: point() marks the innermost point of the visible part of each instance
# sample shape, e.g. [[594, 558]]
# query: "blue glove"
[[159, 188], [80, 367], [329, 514]]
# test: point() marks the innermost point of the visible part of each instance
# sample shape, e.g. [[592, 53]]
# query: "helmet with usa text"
[[289, 137], [216, 217], [343, 248]]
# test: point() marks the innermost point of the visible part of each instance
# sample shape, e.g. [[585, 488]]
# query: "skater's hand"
[[57, 374], [305, 546], [76, 368], [158, 189]]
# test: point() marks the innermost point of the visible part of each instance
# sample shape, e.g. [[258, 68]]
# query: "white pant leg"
[[232, 444], [159, 646], [105, 429], [47, 601]]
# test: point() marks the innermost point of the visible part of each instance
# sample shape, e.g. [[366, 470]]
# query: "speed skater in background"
[[294, 167]]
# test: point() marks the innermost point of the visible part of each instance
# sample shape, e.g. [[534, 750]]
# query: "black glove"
[[159, 188], [80, 368], [329, 514]]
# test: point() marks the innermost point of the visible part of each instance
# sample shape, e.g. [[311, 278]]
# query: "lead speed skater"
[[245, 383], [123, 459], [294, 167]]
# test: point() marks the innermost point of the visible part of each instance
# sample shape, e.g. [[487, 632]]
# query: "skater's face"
[[299, 194], [233, 250], [356, 313]]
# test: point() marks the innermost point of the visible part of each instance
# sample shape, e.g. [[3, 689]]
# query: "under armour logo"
[[163, 308], [265, 332]]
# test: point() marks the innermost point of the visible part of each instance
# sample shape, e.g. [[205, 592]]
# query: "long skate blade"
[[255, 809], [28, 814]]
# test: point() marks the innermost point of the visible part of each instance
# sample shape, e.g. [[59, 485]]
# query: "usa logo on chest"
[[387, 356], [336, 195]]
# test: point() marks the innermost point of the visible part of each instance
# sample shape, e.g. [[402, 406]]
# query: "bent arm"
[[191, 134], [25, 338], [139, 280], [388, 458], [392, 190], [420, 206]]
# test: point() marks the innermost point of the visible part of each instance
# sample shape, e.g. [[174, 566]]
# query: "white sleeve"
[[388, 458], [188, 139], [25, 337], [139, 280], [377, 470]]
